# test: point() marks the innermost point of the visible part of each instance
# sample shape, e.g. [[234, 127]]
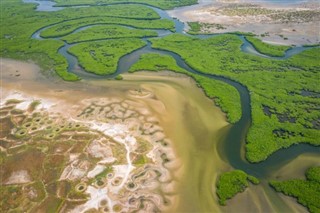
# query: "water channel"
[[233, 144]]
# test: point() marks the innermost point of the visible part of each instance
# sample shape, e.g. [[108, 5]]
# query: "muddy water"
[[196, 126], [191, 121]]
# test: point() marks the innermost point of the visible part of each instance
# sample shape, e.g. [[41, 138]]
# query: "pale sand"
[[297, 33], [19, 177]]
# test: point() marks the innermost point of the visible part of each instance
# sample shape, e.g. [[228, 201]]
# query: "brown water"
[[193, 123], [196, 126], [191, 120]]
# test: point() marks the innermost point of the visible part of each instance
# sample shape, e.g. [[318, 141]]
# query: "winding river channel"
[[232, 146]]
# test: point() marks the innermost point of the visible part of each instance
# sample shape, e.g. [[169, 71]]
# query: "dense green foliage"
[[156, 62], [107, 32], [268, 49], [119, 77], [232, 183], [224, 95], [282, 115], [307, 60], [102, 57], [15, 38], [306, 191], [195, 27], [164, 4], [68, 27]]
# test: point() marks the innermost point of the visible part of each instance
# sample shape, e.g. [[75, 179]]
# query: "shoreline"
[[291, 33]]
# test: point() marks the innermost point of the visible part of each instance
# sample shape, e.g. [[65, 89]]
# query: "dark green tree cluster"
[[232, 183]]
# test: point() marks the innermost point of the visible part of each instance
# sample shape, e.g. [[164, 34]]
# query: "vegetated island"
[[101, 57], [163, 4], [307, 192], [232, 183], [108, 32]]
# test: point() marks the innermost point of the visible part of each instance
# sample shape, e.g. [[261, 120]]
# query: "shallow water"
[[44, 5], [196, 126], [192, 122]]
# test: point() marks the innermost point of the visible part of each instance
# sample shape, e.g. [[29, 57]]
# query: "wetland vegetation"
[[163, 4], [203, 28], [101, 57], [305, 191], [283, 95], [16, 39], [107, 32], [268, 49], [232, 183], [68, 27], [224, 95], [273, 84]]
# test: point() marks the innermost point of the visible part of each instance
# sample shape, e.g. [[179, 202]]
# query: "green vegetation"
[[306, 191], [231, 183], [224, 95], [130, 11], [67, 27], [164, 4], [104, 173], [15, 38], [195, 27], [119, 77], [107, 32], [242, 33], [307, 60], [281, 114], [102, 57], [268, 49], [203, 28], [311, 45]]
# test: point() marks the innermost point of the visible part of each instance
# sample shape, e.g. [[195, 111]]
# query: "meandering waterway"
[[231, 147]]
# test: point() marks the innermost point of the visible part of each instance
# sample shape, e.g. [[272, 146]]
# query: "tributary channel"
[[232, 147]]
